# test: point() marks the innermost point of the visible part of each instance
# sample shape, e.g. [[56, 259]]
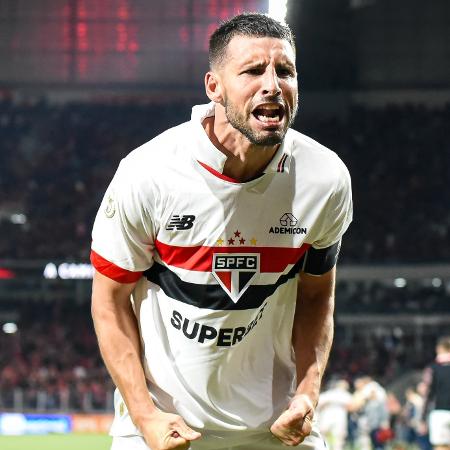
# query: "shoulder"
[[161, 154], [314, 159]]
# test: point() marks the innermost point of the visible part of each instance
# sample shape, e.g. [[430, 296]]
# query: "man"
[[438, 381], [225, 232], [370, 402], [332, 413]]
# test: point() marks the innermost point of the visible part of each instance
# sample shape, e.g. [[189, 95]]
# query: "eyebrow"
[[258, 64]]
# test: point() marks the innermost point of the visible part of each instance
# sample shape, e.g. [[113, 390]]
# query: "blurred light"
[[397, 332], [6, 274], [400, 282], [9, 328], [73, 271], [18, 219], [278, 9], [436, 282], [68, 271], [50, 271]]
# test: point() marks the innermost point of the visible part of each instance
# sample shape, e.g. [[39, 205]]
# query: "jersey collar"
[[206, 152]]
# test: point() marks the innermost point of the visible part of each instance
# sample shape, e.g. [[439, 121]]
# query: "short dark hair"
[[246, 24]]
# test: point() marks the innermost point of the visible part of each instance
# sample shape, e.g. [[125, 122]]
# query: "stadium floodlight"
[[10, 328], [436, 282], [400, 282], [278, 9]]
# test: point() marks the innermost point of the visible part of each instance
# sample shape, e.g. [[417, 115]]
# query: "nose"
[[270, 85]]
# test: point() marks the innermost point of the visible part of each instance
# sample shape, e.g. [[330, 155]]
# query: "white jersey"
[[219, 262], [332, 412]]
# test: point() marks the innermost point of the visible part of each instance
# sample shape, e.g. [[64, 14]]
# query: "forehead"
[[245, 49]]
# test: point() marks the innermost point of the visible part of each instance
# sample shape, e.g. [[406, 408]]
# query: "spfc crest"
[[235, 271]]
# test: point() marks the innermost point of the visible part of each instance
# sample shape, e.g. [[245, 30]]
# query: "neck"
[[245, 161]]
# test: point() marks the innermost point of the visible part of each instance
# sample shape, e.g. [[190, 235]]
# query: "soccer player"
[[438, 381], [215, 250], [332, 414]]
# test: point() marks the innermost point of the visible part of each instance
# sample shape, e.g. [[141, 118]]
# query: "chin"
[[268, 139]]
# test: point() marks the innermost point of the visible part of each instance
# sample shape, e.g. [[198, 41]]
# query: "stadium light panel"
[[278, 9], [400, 282], [10, 328], [436, 282]]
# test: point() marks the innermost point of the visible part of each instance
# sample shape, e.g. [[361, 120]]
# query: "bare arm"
[[312, 338], [313, 331], [118, 336]]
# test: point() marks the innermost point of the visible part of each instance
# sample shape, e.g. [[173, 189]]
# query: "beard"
[[262, 138]]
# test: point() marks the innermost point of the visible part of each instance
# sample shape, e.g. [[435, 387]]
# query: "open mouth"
[[270, 113]]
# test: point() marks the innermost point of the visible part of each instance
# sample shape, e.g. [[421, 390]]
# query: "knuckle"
[[296, 441]]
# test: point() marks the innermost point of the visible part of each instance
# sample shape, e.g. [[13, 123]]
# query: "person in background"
[[370, 401], [416, 432], [332, 414], [437, 400]]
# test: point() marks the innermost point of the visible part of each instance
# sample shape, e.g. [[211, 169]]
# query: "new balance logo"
[[184, 222]]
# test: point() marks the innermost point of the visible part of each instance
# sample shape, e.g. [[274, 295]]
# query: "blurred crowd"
[[52, 362], [413, 414], [55, 164], [399, 160], [56, 161], [370, 417], [425, 297]]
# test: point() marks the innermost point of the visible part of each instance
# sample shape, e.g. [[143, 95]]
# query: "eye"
[[254, 71], [285, 72]]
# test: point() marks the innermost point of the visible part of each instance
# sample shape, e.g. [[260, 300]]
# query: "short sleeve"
[[123, 232], [338, 212]]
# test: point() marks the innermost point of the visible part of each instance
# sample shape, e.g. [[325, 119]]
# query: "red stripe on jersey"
[[112, 271], [281, 163], [199, 258], [218, 174]]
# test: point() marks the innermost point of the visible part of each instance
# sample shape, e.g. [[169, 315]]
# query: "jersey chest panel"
[[272, 213], [239, 242]]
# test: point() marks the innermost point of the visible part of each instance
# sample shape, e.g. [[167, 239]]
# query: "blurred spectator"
[[438, 395], [415, 432], [370, 402], [332, 414], [56, 160]]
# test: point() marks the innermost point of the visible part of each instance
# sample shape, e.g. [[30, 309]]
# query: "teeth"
[[270, 107], [268, 119]]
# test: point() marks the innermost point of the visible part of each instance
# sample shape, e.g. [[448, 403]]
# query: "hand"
[[164, 431], [294, 424]]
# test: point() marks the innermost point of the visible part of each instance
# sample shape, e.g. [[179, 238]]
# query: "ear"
[[213, 87]]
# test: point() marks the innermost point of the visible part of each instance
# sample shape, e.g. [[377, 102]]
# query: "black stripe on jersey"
[[212, 296]]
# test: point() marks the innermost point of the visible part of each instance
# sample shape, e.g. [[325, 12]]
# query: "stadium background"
[[83, 82]]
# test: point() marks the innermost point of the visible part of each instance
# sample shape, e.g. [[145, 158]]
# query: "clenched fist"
[[294, 424], [165, 431]]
